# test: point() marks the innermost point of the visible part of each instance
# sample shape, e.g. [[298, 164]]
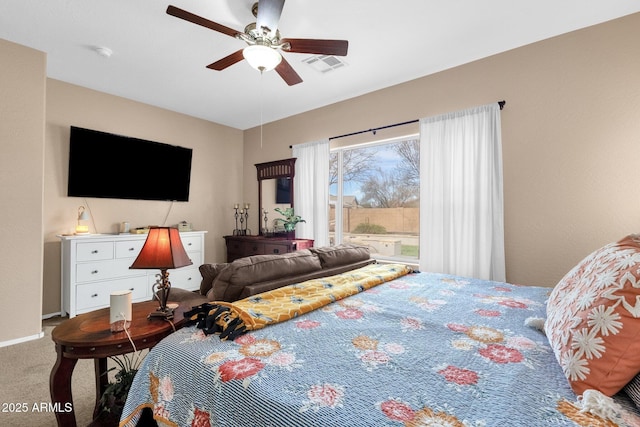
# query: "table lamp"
[[83, 215], [162, 250]]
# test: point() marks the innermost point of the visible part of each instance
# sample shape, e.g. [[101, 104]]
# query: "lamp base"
[[167, 313]]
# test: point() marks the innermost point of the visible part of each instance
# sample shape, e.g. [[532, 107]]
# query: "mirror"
[[275, 189]]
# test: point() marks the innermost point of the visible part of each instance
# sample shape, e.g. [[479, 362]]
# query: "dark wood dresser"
[[243, 246]]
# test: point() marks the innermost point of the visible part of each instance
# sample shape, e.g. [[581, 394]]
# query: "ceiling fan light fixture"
[[262, 58]]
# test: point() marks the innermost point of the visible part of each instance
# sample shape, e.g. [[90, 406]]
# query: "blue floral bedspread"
[[421, 350]]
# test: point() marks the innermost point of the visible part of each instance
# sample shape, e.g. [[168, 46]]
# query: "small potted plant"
[[115, 394], [289, 221]]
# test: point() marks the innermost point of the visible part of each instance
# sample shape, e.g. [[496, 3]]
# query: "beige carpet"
[[24, 382]]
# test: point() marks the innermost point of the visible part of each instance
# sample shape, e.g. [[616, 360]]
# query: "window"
[[374, 197]]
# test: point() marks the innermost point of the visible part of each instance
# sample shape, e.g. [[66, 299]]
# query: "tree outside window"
[[380, 197]]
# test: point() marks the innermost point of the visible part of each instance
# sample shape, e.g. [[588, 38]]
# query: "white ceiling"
[[160, 60]]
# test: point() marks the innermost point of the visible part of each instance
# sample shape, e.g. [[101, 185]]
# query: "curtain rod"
[[374, 130]]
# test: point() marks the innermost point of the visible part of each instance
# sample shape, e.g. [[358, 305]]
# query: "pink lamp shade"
[[163, 250]]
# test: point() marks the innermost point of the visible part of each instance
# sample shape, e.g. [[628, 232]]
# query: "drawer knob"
[[132, 249], [95, 251], [94, 295], [276, 251], [189, 244], [132, 289], [94, 272]]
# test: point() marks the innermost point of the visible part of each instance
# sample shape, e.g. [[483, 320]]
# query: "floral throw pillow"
[[593, 319]]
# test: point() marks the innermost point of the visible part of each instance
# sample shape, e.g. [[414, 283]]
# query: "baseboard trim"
[[21, 340], [30, 337]]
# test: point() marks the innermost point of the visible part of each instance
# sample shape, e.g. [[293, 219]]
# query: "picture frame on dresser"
[[93, 266]]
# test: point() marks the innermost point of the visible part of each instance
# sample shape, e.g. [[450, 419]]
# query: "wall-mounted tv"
[[106, 165]]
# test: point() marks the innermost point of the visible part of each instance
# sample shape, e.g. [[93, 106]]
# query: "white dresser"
[[95, 265]]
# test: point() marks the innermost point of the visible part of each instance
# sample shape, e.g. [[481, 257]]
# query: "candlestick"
[[264, 212], [236, 231], [246, 219]]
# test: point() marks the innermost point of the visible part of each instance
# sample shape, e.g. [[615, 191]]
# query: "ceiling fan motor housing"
[[253, 35]]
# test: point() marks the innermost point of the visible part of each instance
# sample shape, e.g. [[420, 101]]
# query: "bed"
[[412, 349]]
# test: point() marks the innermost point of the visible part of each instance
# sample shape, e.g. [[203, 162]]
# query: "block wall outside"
[[394, 220]]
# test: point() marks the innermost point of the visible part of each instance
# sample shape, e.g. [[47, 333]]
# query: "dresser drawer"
[[276, 249], [92, 271], [93, 295], [102, 270], [185, 278], [129, 248], [192, 243], [234, 246], [244, 246], [94, 251], [252, 248]]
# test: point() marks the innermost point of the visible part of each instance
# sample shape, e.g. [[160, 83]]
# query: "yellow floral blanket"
[[233, 319]]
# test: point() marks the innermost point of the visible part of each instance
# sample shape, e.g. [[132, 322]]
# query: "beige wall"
[[216, 178], [571, 139], [22, 110]]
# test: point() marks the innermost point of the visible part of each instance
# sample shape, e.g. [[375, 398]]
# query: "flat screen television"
[[106, 165]]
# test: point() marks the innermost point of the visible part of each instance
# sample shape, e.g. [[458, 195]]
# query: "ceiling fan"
[[264, 42]]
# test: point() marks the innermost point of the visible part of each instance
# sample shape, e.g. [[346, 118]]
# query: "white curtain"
[[311, 191], [461, 210]]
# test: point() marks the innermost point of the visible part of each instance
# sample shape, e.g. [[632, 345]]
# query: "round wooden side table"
[[89, 336]]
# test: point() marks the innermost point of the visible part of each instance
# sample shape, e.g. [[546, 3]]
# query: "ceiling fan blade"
[[227, 61], [188, 16], [287, 73], [318, 47], [269, 12]]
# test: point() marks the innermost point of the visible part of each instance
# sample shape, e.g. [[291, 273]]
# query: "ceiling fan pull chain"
[[261, 105]]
